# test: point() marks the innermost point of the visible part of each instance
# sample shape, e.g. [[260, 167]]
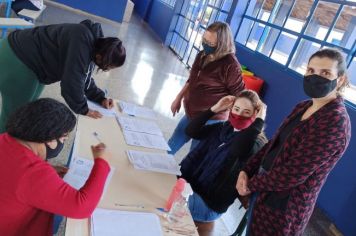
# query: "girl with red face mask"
[[212, 167]]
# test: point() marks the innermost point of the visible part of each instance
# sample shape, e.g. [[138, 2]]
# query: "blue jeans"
[[200, 211], [179, 138]]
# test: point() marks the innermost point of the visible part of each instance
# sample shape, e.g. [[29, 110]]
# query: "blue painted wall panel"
[[111, 9]]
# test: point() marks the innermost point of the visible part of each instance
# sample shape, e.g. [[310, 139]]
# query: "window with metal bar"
[[289, 31]]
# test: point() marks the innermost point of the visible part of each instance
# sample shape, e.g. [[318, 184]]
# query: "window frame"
[[351, 53]]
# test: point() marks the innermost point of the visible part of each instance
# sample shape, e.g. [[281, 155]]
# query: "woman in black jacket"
[[32, 58], [212, 167]]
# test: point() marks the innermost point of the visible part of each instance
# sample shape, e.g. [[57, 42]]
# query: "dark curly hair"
[[41, 121], [112, 52]]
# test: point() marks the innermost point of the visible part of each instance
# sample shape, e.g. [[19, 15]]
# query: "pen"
[[96, 135]]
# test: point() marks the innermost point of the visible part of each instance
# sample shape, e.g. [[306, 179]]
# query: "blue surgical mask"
[[208, 49]]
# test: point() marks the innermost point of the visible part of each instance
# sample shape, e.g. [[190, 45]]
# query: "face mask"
[[316, 86], [208, 49], [240, 122], [51, 153]]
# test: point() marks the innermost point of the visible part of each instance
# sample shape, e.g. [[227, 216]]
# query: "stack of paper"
[[139, 125], [113, 222], [145, 140], [79, 171], [135, 110], [102, 110], [157, 162]]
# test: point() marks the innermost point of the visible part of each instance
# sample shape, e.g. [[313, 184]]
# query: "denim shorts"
[[200, 211]]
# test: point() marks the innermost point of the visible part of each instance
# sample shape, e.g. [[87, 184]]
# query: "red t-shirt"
[[31, 191]]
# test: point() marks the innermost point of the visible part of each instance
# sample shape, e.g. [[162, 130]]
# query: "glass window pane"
[[206, 17], [283, 48], [255, 35], [280, 12], [185, 7], [344, 32], [174, 41], [192, 56], [227, 5], [183, 48], [300, 59], [266, 10], [350, 93], [319, 24], [253, 7], [213, 17], [244, 31], [267, 40], [298, 15], [199, 37], [222, 17]]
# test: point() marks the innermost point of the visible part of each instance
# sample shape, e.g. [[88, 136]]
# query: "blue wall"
[[141, 7], [282, 92], [157, 15], [111, 9]]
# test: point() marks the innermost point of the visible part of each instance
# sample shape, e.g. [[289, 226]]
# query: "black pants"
[[19, 5]]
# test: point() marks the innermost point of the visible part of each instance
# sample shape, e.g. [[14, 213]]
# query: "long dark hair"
[[111, 51], [41, 121]]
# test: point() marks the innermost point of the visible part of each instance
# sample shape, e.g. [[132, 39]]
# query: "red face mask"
[[240, 122]]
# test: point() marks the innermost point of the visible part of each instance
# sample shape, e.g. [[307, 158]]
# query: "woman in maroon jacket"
[[215, 74], [286, 175], [31, 191]]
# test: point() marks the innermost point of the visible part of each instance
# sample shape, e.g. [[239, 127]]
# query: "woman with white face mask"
[[287, 174], [212, 167]]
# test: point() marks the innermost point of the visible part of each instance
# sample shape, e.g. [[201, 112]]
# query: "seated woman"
[[212, 167], [285, 177], [31, 191]]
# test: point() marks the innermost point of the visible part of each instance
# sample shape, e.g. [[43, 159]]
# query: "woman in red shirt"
[[215, 74], [31, 191]]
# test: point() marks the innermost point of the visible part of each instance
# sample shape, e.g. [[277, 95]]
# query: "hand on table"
[[94, 114]]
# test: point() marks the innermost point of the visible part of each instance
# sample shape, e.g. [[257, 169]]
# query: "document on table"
[[105, 222], [102, 110], [145, 140], [136, 110], [79, 171], [139, 125], [157, 162]]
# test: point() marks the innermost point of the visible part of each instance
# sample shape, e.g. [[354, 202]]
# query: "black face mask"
[[51, 153], [316, 86]]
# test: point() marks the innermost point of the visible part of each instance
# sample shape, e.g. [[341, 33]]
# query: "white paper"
[[102, 110], [145, 140], [114, 223], [157, 162], [139, 125], [79, 171], [135, 110]]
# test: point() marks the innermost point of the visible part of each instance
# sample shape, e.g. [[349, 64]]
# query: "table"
[[128, 186]]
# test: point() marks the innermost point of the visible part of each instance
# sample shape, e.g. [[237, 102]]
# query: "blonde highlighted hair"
[[225, 43]]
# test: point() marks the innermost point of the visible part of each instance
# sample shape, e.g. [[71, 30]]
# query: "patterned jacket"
[[289, 190]]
